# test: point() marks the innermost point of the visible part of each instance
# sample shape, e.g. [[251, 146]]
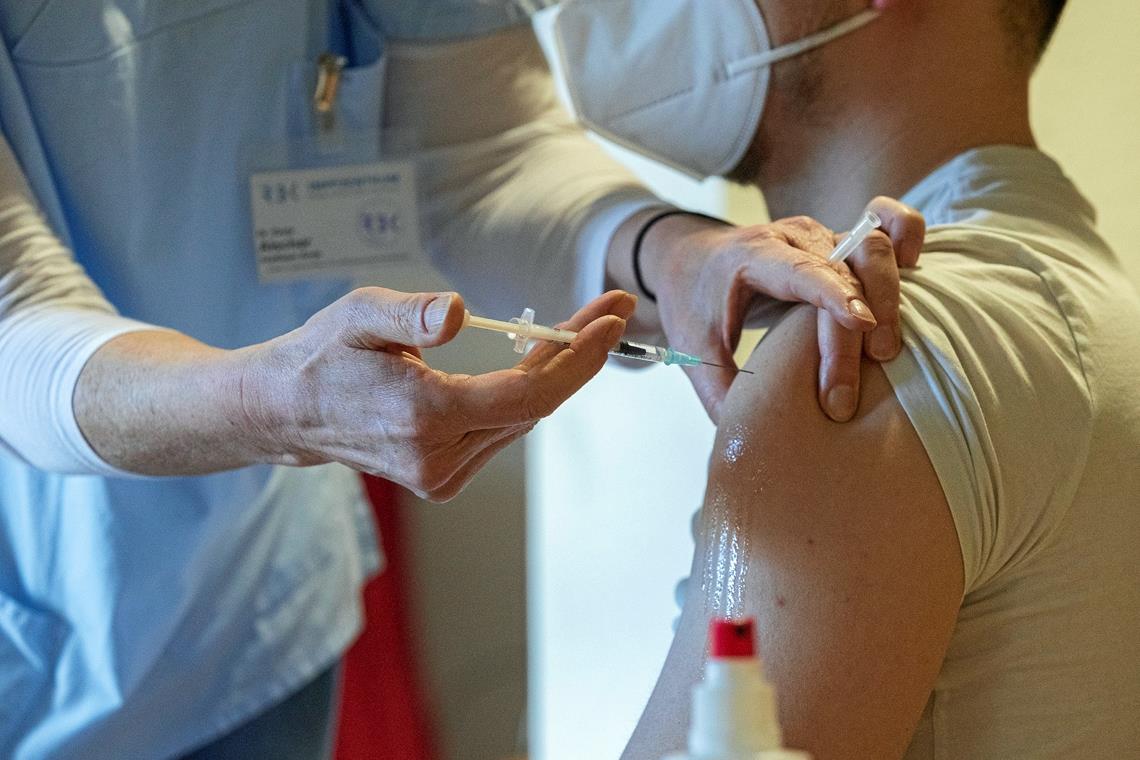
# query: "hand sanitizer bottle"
[[734, 707]]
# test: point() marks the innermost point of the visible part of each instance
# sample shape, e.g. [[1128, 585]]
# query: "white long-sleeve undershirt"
[[53, 318]]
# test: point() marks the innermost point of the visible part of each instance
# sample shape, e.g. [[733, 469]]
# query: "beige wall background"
[[469, 556], [1086, 112]]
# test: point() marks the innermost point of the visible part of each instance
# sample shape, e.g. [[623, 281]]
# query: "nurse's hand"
[[351, 386], [709, 276]]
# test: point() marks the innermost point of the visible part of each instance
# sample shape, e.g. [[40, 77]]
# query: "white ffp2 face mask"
[[681, 81]]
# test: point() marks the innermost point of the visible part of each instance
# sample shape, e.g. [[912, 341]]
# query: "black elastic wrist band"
[[637, 244]]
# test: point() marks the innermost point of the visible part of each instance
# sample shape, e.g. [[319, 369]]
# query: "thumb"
[[411, 319], [440, 318], [712, 384]]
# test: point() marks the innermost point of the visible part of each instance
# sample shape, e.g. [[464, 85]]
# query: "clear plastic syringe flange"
[[525, 321]]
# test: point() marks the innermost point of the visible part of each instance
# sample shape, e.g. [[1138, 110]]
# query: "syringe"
[[868, 224], [522, 330]]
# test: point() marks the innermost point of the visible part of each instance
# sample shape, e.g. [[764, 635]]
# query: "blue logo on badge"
[[379, 226]]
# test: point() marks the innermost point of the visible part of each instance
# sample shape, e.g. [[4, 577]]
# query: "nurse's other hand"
[[709, 275], [351, 386]]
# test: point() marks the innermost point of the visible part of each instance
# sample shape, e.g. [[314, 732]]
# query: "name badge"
[[334, 222]]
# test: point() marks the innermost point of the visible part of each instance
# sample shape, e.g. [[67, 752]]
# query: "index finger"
[[789, 274], [616, 302], [536, 387]]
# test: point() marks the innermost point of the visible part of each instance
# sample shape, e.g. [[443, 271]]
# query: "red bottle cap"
[[732, 638]]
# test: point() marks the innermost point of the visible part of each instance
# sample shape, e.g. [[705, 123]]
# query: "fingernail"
[[860, 310], [884, 344], [436, 313], [841, 402]]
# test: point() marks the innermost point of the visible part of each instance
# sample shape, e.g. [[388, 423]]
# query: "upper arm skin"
[[849, 560]]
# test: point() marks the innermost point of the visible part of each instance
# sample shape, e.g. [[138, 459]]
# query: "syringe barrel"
[[640, 351]]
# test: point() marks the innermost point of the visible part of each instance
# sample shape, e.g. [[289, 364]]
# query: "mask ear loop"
[[792, 49]]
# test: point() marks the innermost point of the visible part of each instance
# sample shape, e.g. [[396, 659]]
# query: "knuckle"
[[810, 267], [361, 303], [359, 297], [350, 312]]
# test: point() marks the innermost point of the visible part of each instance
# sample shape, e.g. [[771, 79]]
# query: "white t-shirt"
[[1021, 375]]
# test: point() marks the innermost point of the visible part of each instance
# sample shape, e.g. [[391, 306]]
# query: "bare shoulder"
[[838, 539], [846, 551]]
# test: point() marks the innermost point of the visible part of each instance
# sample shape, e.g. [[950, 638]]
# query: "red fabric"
[[383, 713]]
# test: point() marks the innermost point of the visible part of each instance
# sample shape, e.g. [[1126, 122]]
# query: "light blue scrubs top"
[[141, 618]]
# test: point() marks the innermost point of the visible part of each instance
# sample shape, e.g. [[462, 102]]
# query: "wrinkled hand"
[[351, 386], [712, 275]]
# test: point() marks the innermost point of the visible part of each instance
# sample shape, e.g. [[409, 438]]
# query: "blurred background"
[[552, 575]]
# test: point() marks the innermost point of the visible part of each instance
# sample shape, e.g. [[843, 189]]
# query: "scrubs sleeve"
[[53, 318]]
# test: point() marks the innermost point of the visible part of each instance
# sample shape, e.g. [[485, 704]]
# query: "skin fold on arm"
[[839, 540]]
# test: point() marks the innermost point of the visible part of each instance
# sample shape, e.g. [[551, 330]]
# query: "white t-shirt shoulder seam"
[[982, 316]]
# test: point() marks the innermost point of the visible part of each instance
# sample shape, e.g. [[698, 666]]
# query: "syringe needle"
[[721, 366]]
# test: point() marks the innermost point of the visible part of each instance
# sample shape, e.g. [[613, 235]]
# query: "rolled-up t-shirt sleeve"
[[992, 379], [53, 318]]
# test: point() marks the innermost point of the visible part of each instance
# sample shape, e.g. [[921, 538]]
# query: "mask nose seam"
[[653, 103]]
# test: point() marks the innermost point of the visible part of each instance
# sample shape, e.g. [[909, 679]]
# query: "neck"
[[834, 164]]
